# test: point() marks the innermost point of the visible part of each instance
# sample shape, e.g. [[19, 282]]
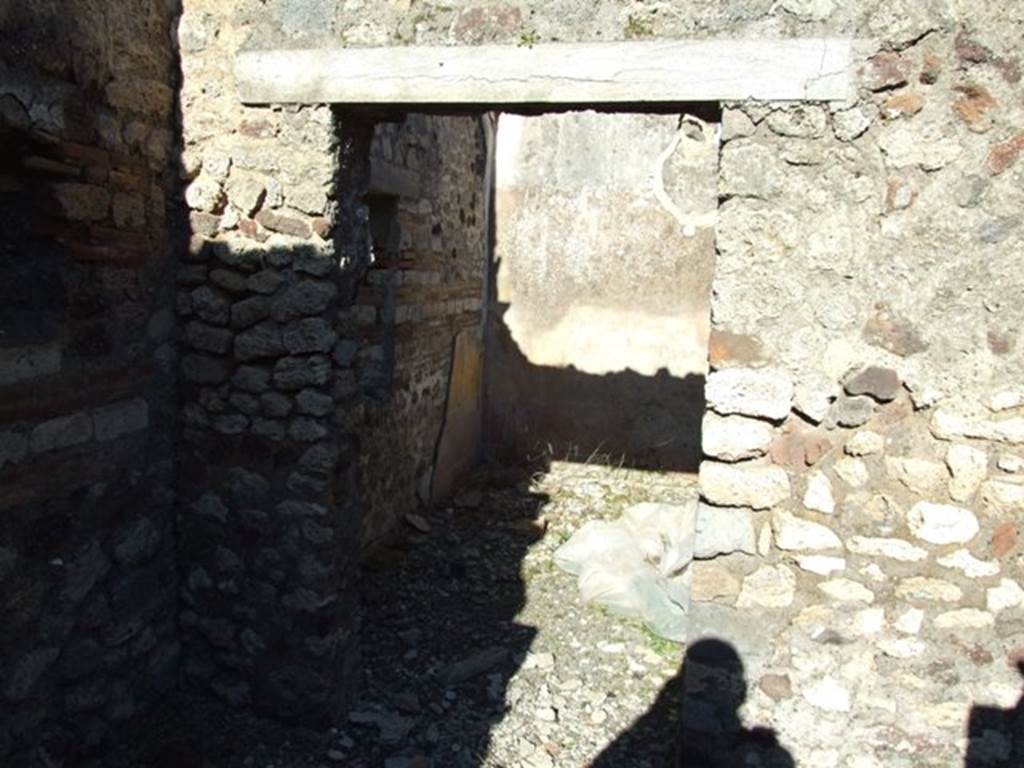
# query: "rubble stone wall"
[[424, 287], [88, 230], [268, 506], [330, 267]]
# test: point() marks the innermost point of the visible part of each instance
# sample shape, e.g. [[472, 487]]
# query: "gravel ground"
[[477, 650]]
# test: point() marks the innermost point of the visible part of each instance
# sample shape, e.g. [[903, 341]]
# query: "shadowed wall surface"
[[602, 268]]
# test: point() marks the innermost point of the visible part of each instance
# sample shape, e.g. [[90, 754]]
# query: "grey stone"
[[732, 438], [231, 424], [207, 338], [306, 486], [758, 392], [275, 405], [80, 659], [24, 363], [211, 305], [247, 404], [806, 121], [8, 560], [996, 231], [246, 193], [307, 600], [251, 379], [138, 543], [212, 400], [268, 428], [750, 169], [227, 561], [237, 693], [942, 523], [474, 665], [120, 418], [192, 275], [87, 697], [311, 334], [721, 530], [314, 403], [770, 586], [305, 429], [850, 412], [198, 580], [303, 299], [848, 124], [13, 447], [229, 280], [292, 373], [315, 533], [220, 632], [265, 281], [260, 341], [296, 508], [757, 487], [249, 311], [794, 533], [245, 487], [238, 256], [62, 432], [210, 505], [319, 459], [313, 263], [883, 384], [344, 352], [27, 671], [84, 571], [203, 369]]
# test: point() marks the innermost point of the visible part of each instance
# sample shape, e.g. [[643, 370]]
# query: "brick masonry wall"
[[424, 287], [87, 372]]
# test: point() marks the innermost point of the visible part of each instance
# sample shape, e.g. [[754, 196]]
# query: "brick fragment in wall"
[[286, 225], [730, 350], [899, 105], [797, 446], [1004, 155]]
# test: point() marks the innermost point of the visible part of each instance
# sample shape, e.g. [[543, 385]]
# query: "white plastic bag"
[[636, 566]]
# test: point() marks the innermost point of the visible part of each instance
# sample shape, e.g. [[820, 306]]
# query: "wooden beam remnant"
[[556, 73]]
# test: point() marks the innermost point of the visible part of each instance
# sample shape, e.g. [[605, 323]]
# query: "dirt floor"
[[477, 650]]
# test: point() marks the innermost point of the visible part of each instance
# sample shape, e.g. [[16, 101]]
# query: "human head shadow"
[[995, 736], [695, 722]]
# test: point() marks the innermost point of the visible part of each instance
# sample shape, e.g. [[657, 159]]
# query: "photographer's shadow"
[[995, 736], [695, 723]]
